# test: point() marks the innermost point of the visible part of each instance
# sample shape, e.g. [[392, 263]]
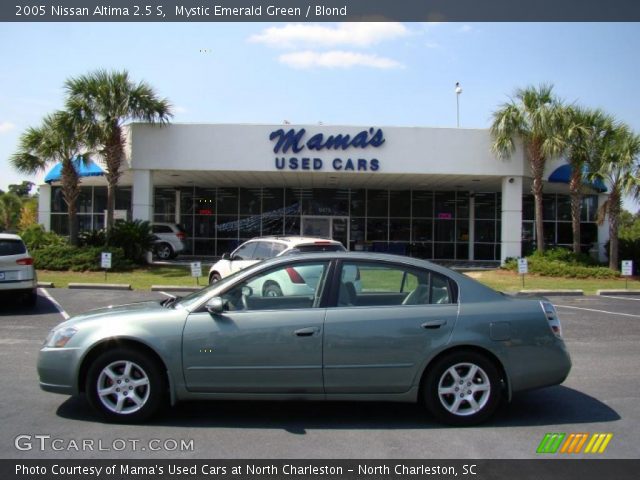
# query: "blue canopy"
[[562, 174], [88, 169]]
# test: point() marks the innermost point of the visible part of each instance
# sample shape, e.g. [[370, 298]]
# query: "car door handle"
[[433, 324], [306, 332]]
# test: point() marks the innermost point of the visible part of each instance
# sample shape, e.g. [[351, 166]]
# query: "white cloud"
[[336, 59], [312, 35], [6, 127]]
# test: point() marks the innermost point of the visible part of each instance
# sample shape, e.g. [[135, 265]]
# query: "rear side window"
[[12, 247], [162, 229], [319, 247]]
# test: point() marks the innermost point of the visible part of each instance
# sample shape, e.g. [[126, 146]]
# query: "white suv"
[[16, 268], [257, 249], [169, 241]]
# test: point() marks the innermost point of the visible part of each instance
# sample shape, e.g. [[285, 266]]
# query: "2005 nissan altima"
[[411, 332]]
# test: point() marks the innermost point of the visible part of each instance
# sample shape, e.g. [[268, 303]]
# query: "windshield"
[[195, 297]]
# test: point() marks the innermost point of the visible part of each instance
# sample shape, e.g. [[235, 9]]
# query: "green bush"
[[78, 259], [560, 262], [35, 237], [92, 238], [628, 249], [134, 238]]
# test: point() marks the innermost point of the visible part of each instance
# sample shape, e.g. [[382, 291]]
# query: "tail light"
[[552, 317], [294, 276], [25, 261], [181, 235]]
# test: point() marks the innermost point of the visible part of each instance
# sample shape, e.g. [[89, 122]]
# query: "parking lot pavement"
[[602, 394]]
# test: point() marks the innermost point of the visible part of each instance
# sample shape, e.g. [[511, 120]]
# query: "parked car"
[[416, 332], [170, 238], [17, 273], [261, 248]]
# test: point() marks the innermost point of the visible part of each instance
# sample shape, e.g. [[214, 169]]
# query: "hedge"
[[78, 259]]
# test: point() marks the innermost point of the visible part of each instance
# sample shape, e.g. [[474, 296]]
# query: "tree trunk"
[[114, 154], [575, 185], [70, 193], [537, 170], [614, 218]]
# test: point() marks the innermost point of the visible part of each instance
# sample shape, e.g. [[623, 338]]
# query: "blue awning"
[[88, 169], [562, 174]]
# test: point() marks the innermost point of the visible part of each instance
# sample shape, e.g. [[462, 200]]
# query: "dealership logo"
[[294, 141], [574, 443]]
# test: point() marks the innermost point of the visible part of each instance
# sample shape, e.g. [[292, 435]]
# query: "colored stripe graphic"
[[572, 443], [598, 443], [550, 443]]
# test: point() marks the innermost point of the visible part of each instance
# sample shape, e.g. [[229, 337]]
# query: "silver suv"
[[17, 273], [170, 238]]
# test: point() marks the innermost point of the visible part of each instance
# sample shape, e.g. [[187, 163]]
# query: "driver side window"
[[292, 286]]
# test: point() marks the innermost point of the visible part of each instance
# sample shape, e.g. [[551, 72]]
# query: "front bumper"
[[57, 370]]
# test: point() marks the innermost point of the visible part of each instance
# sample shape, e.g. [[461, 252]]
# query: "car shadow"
[[551, 406], [14, 305]]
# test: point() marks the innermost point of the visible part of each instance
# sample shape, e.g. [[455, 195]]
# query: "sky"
[[368, 74]]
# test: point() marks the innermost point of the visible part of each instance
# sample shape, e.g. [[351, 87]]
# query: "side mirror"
[[216, 305], [226, 256]]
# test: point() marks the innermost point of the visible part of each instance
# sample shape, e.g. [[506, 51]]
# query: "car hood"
[[130, 310]]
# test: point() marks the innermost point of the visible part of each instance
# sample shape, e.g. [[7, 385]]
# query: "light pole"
[[458, 92]]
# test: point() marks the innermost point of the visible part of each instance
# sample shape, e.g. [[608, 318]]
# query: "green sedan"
[[411, 331]]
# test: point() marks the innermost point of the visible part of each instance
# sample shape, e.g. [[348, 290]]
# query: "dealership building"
[[435, 193]]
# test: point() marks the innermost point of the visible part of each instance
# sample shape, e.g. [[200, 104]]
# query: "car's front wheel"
[[214, 277], [124, 385], [164, 251], [463, 388]]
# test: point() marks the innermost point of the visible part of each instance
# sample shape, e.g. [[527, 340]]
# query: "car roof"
[[9, 236], [294, 240]]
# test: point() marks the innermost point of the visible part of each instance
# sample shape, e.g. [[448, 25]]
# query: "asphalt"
[[602, 394]]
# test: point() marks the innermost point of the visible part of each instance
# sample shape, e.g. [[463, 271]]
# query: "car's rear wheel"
[[164, 251], [124, 385], [271, 289], [463, 388], [214, 277]]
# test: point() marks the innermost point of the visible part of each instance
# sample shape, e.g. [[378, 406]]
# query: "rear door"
[[377, 337]]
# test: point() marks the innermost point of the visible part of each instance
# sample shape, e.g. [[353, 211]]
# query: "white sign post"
[[523, 268], [196, 271], [105, 262], [627, 271]]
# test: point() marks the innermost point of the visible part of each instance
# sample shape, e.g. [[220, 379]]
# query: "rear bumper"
[[539, 367], [10, 285]]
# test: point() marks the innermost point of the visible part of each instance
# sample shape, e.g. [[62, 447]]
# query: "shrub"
[[78, 259], [628, 249], [92, 238], [133, 237], [35, 237], [560, 262]]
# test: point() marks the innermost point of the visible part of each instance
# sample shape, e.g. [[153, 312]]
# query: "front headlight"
[[59, 338]]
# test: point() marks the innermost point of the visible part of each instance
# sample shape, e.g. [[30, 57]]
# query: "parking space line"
[[599, 311], [167, 294], [620, 297], [55, 303]]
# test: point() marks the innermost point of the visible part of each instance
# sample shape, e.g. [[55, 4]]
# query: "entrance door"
[[336, 228]]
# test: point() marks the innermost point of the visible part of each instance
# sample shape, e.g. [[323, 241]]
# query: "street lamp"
[[458, 92]]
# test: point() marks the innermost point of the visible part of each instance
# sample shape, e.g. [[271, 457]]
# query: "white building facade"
[[436, 193]]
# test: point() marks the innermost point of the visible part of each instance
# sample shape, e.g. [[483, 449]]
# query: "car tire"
[[31, 298], [462, 404], [214, 277], [142, 394], [164, 251], [271, 289]]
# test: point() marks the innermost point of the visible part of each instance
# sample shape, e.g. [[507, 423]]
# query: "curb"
[[618, 292], [46, 285], [101, 286], [175, 288], [557, 293]]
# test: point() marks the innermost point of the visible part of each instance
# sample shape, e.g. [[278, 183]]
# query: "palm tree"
[[585, 132], [618, 167], [56, 140], [534, 117], [102, 102]]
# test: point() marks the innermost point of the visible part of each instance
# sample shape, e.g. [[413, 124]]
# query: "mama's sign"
[[295, 141]]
